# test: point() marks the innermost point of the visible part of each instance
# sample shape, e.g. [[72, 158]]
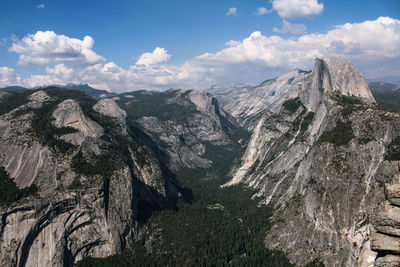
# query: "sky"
[[126, 45]]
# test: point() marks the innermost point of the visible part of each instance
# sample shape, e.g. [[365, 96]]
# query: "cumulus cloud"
[[374, 47], [47, 47], [262, 10], [159, 55], [293, 9], [8, 77], [41, 6], [291, 28], [232, 12]]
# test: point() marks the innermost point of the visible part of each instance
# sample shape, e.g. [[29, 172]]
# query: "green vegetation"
[[222, 227], [104, 164], [349, 104], [292, 104], [393, 151], [13, 100], [9, 192], [47, 133], [341, 135], [224, 157], [160, 105], [306, 121], [219, 227], [388, 100]]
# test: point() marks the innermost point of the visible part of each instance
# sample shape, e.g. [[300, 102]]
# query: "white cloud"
[[262, 10], [291, 28], [293, 9], [232, 12], [47, 47], [41, 6], [8, 77], [373, 46], [159, 55], [232, 43]]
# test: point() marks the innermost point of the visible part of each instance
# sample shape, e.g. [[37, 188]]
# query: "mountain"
[[247, 103], [319, 159], [12, 89], [387, 95], [383, 86], [390, 79], [187, 125], [81, 176], [96, 93], [243, 175], [74, 181]]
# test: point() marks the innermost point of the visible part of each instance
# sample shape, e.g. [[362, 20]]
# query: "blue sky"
[[182, 43]]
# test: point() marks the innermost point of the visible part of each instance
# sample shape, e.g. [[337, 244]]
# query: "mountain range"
[[87, 174]]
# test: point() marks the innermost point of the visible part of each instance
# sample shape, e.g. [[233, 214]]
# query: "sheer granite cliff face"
[[320, 160], [248, 103], [85, 206]]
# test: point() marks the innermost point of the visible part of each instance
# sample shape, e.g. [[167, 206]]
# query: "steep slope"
[[94, 183], [320, 160], [186, 125], [247, 103]]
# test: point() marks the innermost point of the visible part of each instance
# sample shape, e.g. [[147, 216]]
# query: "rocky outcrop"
[[392, 193], [247, 103], [186, 125], [346, 79], [69, 114], [320, 160], [108, 107], [93, 195], [385, 235]]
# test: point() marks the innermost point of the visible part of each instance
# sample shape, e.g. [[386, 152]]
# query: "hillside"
[[284, 173]]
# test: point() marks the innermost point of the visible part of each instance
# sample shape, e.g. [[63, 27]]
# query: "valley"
[[283, 173]]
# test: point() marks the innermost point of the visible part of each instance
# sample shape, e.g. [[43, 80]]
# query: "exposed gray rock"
[[62, 229], [74, 215], [109, 108], [388, 261], [392, 193], [40, 96], [186, 139], [247, 103], [322, 190], [367, 256], [382, 242], [388, 221], [347, 79], [70, 114]]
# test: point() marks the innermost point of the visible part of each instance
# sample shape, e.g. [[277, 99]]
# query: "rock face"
[[346, 78], [319, 159], [392, 193], [388, 221], [95, 186], [247, 103], [108, 107], [187, 125], [385, 235]]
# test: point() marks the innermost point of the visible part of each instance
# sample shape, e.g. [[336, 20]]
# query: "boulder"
[[388, 261], [384, 243], [388, 221], [392, 193]]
